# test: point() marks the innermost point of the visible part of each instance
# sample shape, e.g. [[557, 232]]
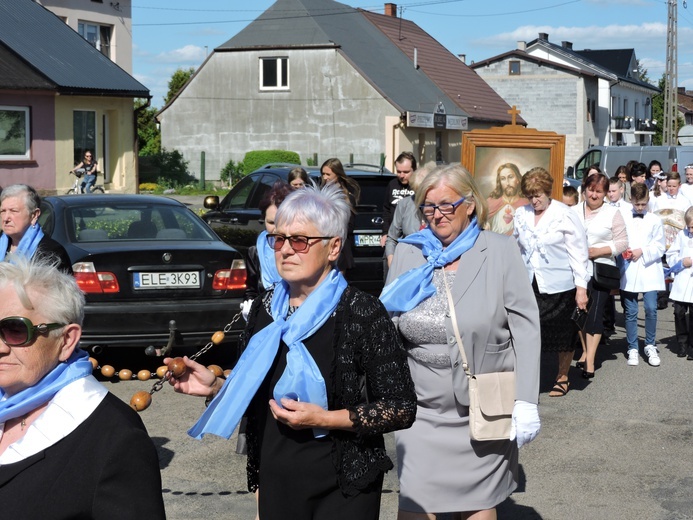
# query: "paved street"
[[617, 447]]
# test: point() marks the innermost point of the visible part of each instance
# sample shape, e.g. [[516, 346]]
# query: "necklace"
[[23, 423]]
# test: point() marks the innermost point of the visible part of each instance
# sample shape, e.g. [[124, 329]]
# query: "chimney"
[[391, 10], [462, 58], [521, 46], [567, 45], [544, 36]]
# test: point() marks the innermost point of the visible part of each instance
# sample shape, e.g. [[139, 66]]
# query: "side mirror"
[[211, 202]]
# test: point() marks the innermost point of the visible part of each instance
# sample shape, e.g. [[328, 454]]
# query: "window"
[[15, 133], [274, 73], [84, 134], [514, 68], [98, 35]]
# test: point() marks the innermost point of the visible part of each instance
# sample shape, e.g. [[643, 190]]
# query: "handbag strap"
[[453, 317]]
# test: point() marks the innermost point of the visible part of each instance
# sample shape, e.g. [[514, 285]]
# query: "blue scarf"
[[268, 263], [27, 245], [411, 288], [76, 367], [301, 379]]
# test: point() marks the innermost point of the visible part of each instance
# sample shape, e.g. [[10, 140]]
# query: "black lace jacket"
[[370, 378]]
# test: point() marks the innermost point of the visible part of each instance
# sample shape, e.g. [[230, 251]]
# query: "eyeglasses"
[[445, 209], [17, 331], [299, 243]]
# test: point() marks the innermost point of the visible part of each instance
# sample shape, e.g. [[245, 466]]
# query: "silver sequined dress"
[[439, 469]]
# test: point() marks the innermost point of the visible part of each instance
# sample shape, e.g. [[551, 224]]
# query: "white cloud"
[[184, 56]]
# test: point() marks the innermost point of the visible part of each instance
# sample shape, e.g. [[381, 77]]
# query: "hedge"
[[257, 158]]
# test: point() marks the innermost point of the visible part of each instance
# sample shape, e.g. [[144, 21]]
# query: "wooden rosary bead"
[[177, 367], [218, 337], [227, 373], [141, 400], [94, 363], [161, 371], [124, 374], [216, 370], [144, 375], [107, 371]]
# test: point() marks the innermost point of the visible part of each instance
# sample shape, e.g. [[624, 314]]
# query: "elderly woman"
[[20, 207], [322, 377], [606, 238], [68, 448], [554, 248], [441, 470]]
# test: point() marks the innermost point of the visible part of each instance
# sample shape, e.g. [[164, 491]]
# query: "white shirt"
[[605, 227], [666, 201], [646, 274], [69, 408], [682, 287], [555, 249], [626, 208], [687, 191]]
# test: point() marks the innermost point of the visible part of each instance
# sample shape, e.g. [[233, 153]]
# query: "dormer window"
[[514, 68], [274, 73]]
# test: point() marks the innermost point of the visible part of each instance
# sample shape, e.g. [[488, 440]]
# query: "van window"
[[590, 158]]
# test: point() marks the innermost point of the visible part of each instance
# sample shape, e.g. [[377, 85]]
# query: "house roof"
[[367, 41], [613, 64], [517, 53], [47, 48], [461, 84]]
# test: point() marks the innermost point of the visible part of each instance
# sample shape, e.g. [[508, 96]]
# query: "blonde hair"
[[455, 177]]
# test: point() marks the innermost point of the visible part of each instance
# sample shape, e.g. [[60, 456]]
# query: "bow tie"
[[615, 204], [638, 215]]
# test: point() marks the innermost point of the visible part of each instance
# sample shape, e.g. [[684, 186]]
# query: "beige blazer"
[[496, 312]]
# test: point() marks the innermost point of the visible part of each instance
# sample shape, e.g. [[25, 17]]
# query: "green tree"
[[177, 81], [148, 134], [658, 113], [232, 173]]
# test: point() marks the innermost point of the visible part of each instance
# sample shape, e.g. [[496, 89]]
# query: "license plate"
[[167, 280], [367, 240]]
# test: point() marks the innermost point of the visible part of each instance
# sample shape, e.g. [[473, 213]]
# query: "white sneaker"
[[633, 357], [652, 355]]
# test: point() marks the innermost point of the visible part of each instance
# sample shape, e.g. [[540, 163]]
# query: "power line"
[[498, 14]]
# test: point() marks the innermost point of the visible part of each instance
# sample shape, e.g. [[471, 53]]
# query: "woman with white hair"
[[323, 375], [68, 448], [20, 208]]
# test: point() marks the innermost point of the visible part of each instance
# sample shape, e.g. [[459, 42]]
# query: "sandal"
[[560, 388]]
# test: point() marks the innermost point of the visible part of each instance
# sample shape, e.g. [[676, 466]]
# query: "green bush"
[[169, 166], [232, 173], [257, 158]]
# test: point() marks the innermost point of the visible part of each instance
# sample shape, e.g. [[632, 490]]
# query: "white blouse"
[[604, 227], [682, 287], [554, 249]]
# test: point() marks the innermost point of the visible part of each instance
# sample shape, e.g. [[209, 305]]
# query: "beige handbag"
[[491, 396]]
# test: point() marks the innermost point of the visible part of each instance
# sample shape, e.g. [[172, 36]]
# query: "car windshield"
[[134, 222]]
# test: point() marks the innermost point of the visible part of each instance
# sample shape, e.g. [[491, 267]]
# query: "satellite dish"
[[686, 135]]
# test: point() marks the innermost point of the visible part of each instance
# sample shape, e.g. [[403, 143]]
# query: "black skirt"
[[558, 331]]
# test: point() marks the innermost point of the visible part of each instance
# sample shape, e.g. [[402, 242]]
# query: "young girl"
[[680, 258]]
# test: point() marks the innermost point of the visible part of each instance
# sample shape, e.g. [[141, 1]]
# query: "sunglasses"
[[298, 243], [17, 331]]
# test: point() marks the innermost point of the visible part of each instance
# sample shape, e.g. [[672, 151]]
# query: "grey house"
[[593, 97], [324, 79]]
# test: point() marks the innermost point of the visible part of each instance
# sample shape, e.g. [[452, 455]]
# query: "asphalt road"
[[619, 446]]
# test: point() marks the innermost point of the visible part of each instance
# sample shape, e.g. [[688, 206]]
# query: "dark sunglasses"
[[299, 243], [17, 331]]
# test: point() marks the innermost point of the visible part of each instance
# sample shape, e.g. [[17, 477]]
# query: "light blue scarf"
[[409, 289], [76, 367], [27, 245], [301, 379], [268, 263]]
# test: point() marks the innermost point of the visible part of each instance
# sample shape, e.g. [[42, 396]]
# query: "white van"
[[609, 158]]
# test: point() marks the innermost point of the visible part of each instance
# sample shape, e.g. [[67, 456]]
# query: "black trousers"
[[683, 324]]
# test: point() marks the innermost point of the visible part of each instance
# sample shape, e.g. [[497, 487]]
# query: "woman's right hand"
[[197, 379], [581, 298]]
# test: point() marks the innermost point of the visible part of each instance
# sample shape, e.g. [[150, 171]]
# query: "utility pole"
[[671, 98]]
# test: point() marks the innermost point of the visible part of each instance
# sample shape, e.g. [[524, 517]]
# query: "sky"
[[180, 34]]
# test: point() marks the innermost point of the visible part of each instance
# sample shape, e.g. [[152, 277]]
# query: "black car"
[[144, 262], [238, 221]]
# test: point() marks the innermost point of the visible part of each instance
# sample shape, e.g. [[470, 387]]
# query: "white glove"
[[525, 424], [245, 309]]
